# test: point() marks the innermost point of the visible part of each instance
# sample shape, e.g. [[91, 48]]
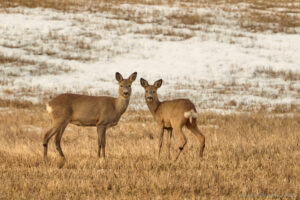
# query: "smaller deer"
[[82, 110], [172, 115]]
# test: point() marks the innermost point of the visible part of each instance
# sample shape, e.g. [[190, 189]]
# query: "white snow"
[[82, 52]]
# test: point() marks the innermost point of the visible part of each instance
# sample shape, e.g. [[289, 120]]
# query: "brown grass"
[[190, 19], [256, 21], [169, 33], [253, 16], [38, 67], [82, 4], [254, 156], [4, 59], [16, 104], [268, 72]]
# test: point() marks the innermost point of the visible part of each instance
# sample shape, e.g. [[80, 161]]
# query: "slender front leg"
[[161, 134], [101, 129]]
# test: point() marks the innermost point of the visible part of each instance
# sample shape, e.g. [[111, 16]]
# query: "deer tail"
[[192, 114]]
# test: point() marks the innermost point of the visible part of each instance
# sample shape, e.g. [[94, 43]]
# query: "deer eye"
[[121, 85], [147, 91], [129, 86], [154, 92]]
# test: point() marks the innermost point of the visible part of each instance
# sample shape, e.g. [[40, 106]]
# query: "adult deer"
[[82, 110], [172, 115]]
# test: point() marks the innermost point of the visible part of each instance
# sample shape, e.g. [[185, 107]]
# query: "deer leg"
[[58, 137], [195, 130], [169, 142], [50, 133], [182, 141], [161, 134], [45, 143], [101, 140]]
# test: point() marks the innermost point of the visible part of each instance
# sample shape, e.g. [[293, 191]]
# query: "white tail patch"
[[190, 115], [48, 107]]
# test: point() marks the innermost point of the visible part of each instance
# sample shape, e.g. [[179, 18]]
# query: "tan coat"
[[83, 110], [172, 115]]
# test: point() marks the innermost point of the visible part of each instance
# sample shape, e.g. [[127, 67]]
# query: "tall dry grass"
[[248, 156]]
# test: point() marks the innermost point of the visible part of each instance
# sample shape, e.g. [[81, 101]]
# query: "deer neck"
[[153, 106], [121, 104]]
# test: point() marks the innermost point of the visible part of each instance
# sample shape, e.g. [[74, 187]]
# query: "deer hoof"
[[61, 163]]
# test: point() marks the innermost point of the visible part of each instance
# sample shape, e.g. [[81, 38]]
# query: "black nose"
[[150, 98], [125, 93]]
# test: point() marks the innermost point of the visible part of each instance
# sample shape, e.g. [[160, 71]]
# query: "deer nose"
[[125, 93], [149, 98]]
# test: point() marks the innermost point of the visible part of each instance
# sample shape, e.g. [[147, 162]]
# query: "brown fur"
[[170, 115], [82, 110]]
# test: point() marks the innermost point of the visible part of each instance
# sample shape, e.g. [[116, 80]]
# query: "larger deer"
[[172, 115], [82, 110]]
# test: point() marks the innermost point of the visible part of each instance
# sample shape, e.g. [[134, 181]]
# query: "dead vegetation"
[[162, 34], [258, 21], [252, 16], [15, 66], [251, 156], [268, 72], [190, 18], [15, 104]]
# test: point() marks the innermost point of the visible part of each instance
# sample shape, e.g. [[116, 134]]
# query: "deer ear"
[[132, 77], [158, 83], [144, 83], [119, 77]]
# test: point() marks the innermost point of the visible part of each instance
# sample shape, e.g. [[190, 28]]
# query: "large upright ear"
[[119, 77], [132, 77], [144, 83], [158, 83]]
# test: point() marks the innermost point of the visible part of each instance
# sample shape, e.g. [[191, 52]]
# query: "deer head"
[[151, 90], [125, 84]]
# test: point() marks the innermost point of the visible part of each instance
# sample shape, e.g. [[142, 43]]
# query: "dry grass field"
[[247, 156], [253, 152]]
